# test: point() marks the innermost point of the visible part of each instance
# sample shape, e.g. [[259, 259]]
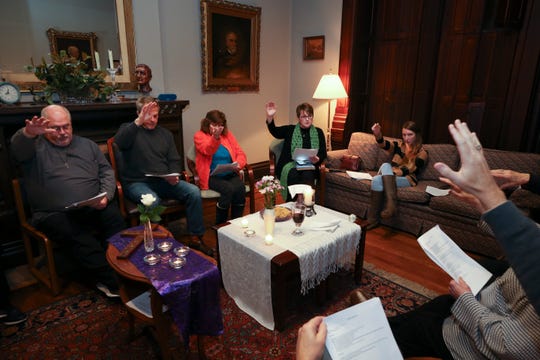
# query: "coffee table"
[[260, 277]]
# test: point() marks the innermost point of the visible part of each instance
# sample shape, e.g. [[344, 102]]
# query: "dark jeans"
[[231, 188], [419, 332], [83, 233]]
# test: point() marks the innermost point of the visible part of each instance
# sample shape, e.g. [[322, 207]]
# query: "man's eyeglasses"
[[60, 128], [305, 117]]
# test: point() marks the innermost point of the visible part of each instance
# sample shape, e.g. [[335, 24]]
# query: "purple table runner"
[[191, 293]]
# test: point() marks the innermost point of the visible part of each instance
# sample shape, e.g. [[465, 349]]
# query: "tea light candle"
[[308, 197], [268, 239], [165, 246], [181, 251], [177, 262], [151, 259], [245, 223]]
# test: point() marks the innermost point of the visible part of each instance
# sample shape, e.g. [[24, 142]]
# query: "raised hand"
[[216, 130], [270, 111], [147, 111], [37, 126], [377, 131], [474, 176]]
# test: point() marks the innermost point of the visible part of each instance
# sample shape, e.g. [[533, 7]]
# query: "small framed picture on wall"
[[314, 47]]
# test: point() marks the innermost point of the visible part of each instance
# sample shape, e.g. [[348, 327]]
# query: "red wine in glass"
[[298, 212]]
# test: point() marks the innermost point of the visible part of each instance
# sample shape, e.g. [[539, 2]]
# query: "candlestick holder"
[[310, 210], [114, 96]]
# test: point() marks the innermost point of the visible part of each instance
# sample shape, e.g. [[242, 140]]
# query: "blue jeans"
[[386, 169], [186, 193]]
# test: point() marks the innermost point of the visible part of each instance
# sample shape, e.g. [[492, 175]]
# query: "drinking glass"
[[298, 212]]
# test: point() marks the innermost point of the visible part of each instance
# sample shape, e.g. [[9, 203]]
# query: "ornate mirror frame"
[[126, 80]]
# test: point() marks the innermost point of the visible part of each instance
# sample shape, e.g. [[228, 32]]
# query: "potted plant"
[[71, 79]]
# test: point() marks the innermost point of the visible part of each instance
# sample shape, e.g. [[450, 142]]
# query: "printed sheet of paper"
[[163, 175], [360, 332], [444, 252], [358, 175], [224, 168], [436, 191], [86, 202], [302, 156], [142, 304]]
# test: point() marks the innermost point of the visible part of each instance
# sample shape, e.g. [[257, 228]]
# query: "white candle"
[[268, 239], [308, 197], [111, 62], [96, 58], [245, 223]]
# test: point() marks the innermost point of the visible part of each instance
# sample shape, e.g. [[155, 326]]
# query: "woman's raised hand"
[[376, 129], [270, 111]]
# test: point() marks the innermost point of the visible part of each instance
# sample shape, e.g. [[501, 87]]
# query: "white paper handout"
[[89, 201], [436, 191], [360, 332], [298, 189], [163, 175], [302, 156], [358, 175], [224, 168], [445, 253], [142, 304]]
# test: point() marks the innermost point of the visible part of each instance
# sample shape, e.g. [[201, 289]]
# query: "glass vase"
[[148, 237], [269, 217]]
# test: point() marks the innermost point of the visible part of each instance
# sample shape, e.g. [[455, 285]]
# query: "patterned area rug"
[[91, 326]]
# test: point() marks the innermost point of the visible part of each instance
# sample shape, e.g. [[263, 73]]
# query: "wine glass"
[[298, 212]]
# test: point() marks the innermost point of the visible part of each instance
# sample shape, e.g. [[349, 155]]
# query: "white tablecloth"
[[246, 261]]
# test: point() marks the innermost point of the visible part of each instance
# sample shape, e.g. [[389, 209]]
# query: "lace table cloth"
[[246, 261]]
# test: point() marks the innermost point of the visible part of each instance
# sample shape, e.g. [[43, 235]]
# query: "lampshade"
[[330, 87]]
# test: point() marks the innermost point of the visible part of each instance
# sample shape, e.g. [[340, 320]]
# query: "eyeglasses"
[[60, 128], [305, 117]]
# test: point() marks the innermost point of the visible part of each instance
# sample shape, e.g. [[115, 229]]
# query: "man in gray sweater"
[[61, 169]]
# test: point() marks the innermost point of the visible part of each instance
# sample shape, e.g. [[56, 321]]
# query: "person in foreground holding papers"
[[215, 145], [149, 149], [518, 235], [408, 158], [502, 321], [303, 135], [61, 169]]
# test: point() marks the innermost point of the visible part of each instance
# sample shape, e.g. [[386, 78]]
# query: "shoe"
[[357, 297], [109, 292], [12, 316], [197, 243]]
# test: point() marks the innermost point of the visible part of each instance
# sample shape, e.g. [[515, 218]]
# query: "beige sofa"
[[417, 210]]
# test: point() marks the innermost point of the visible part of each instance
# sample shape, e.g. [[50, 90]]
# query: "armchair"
[[46, 274], [213, 196], [127, 207]]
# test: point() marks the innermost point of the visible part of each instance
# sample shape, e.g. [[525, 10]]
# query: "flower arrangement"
[[70, 77], [149, 212], [269, 187]]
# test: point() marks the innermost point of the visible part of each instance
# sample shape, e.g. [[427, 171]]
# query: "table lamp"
[[330, 88]]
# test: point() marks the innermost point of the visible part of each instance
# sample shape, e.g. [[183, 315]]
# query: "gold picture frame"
[[84, 42], [314, 47], [230, 46]]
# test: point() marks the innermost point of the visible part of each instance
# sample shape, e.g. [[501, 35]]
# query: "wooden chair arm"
[[322, 182]]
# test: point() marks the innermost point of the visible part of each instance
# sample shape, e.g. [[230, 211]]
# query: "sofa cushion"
[[446, 153], [342, 180], [417, 194], [365, 146], [454, 205], [517, 161]]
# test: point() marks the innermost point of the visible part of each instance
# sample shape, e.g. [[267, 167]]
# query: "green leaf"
[[143, 218]]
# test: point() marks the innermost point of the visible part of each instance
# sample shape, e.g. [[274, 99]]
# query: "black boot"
[[374, 209], [221, 215], [237, 211], [390, 192]]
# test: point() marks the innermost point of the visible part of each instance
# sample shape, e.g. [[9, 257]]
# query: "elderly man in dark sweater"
[[60, 169], [150, 149]]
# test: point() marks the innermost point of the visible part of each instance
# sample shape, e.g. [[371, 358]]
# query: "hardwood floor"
[[393, 251]]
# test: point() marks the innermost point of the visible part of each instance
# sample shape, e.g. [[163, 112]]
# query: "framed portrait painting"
[[230, 46], [76, 44], [314, 47]]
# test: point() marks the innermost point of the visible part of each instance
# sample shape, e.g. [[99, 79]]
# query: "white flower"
[[148, 199]]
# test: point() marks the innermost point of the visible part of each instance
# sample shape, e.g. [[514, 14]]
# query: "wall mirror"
[[25, 37]]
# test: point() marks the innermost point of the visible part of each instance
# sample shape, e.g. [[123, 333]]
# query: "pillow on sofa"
[[350, 162]]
